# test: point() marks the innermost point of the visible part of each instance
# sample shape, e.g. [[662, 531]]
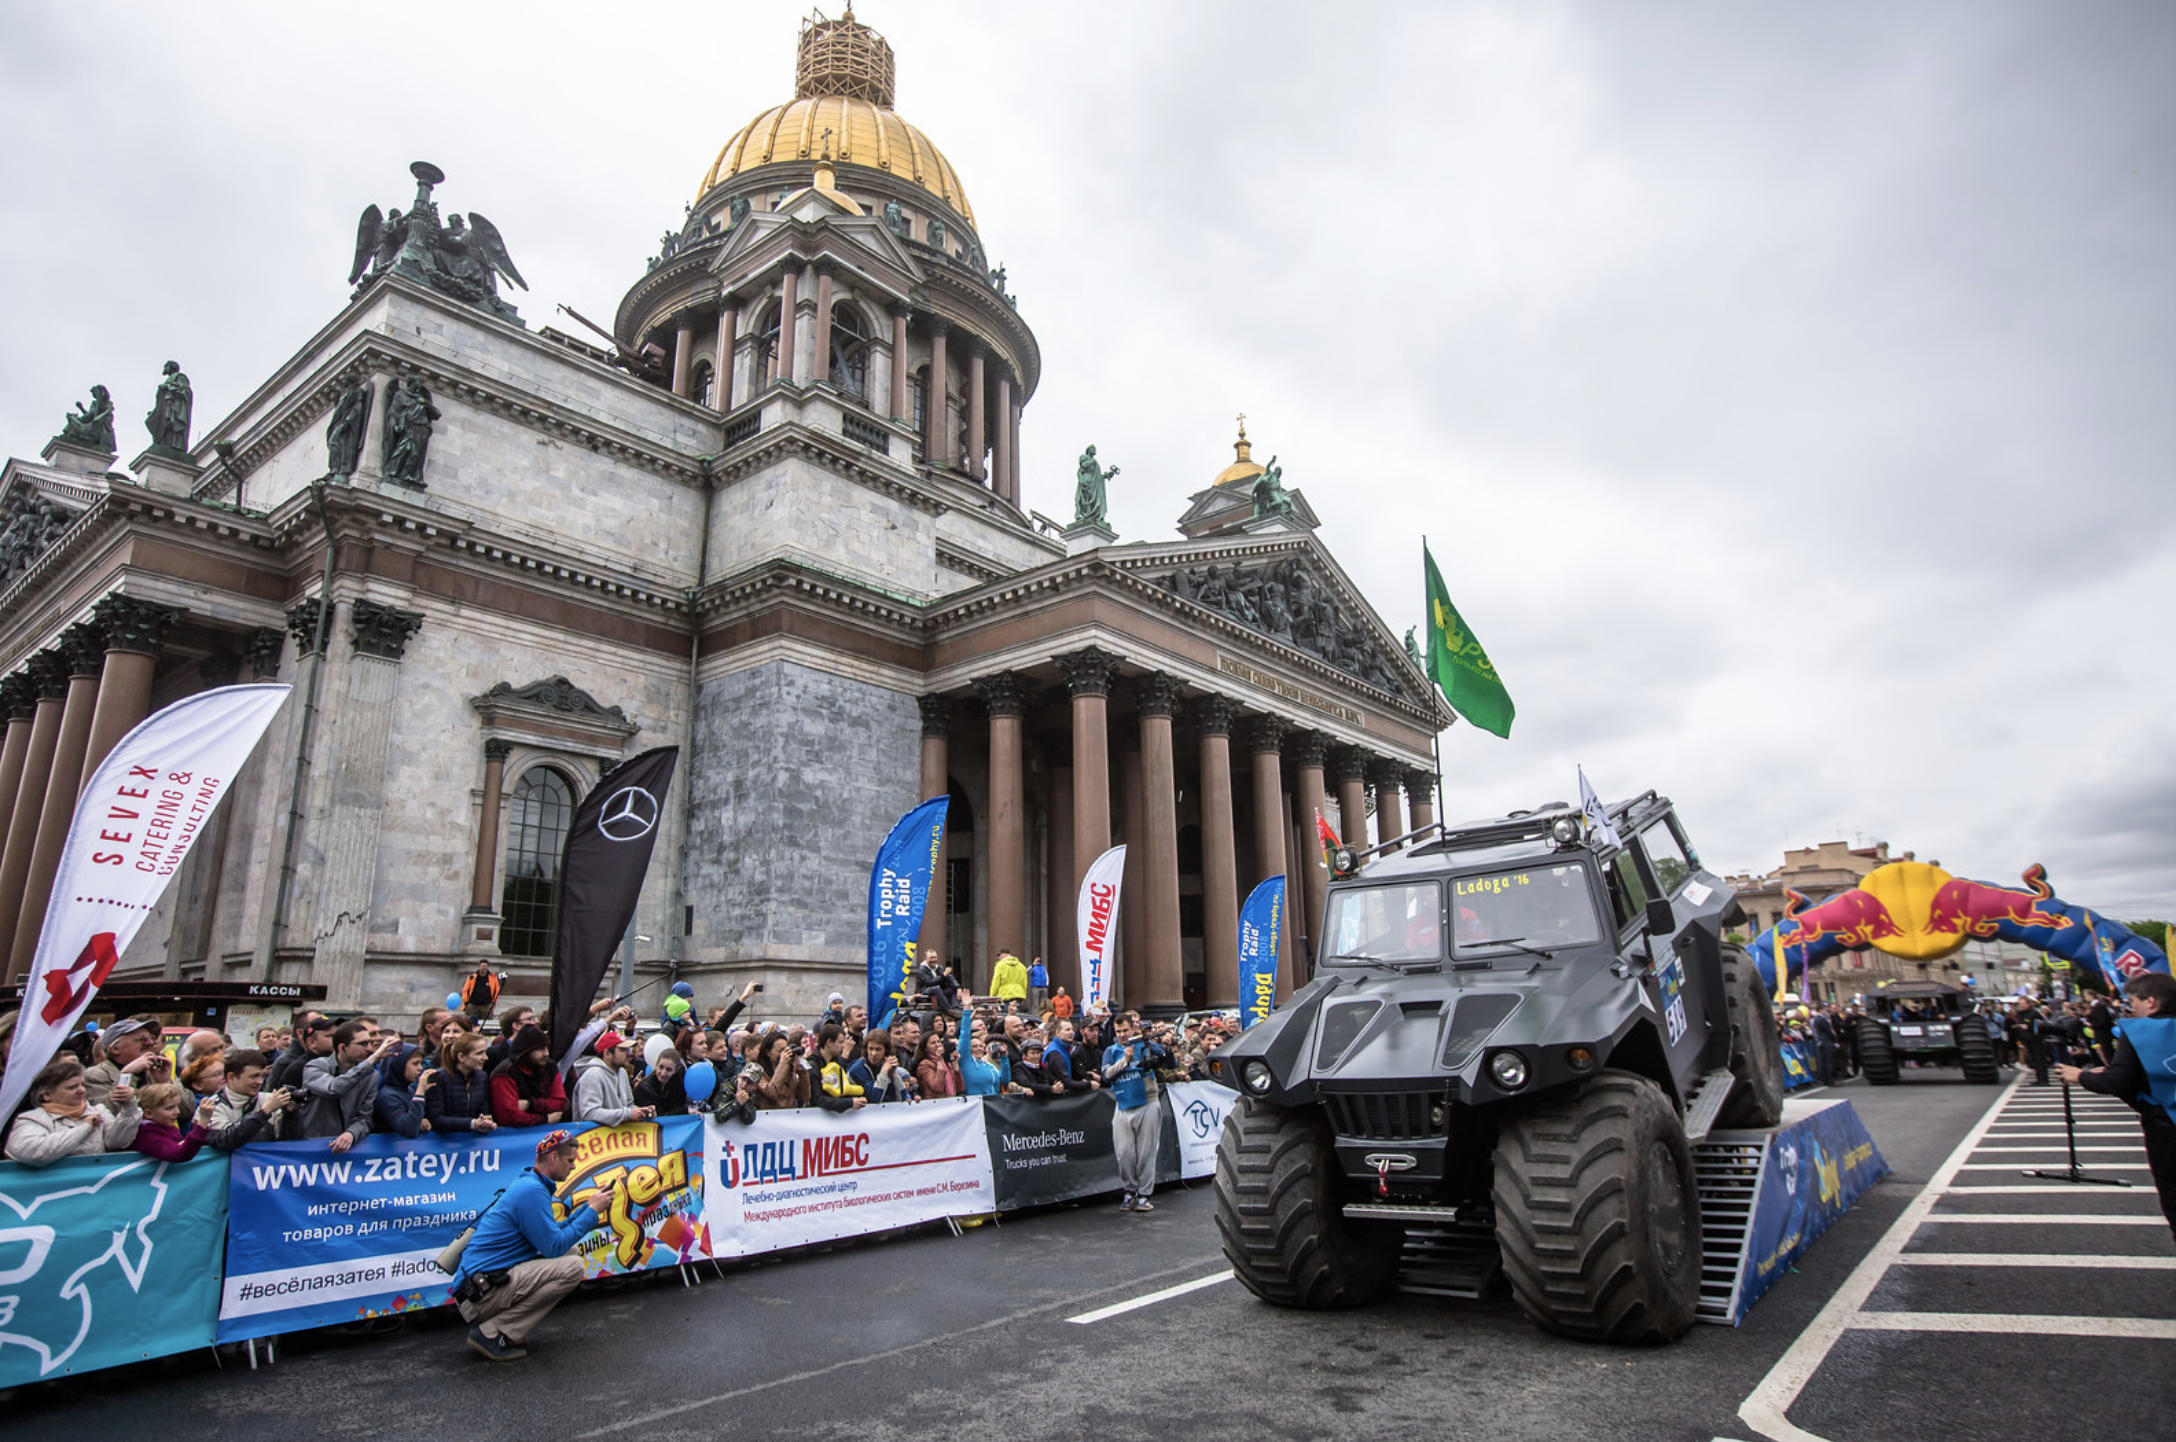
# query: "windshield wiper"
[[1516, 943], [1355, 956], [1407, 963]]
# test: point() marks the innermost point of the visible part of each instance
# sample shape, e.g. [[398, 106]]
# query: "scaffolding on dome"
[[843, 57]]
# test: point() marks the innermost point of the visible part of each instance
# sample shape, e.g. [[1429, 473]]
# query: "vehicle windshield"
[[1402, 923], [1545, 907]]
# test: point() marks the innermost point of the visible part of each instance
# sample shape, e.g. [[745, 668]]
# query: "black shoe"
[[494, 1349], [1126, 1203]]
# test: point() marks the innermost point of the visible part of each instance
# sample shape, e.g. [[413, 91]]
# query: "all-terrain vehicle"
[[1515, 1034], [1930, 1022]]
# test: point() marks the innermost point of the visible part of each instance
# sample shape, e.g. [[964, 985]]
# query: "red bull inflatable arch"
[[1919, 912]]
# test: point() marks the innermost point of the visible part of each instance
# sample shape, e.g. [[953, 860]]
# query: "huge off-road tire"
[[1279, 1209], [1876, 1058], [1976, 1052], [1756, 1047], [1598, 1211]]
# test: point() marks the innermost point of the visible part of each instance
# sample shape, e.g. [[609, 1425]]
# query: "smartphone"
[[759, 986]]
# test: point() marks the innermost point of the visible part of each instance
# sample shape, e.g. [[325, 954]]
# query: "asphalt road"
[[933, 1336]]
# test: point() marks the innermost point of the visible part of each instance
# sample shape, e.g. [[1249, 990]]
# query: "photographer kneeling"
[[516, 1267]]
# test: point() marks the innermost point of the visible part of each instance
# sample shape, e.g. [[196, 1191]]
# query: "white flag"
[[1099, 927], [140, 812], [1597, 819]]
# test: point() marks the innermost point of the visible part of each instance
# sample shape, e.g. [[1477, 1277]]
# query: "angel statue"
[[1091, 498], [1269, 493], [463, 258]]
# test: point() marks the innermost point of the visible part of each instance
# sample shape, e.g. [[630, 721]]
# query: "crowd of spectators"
[[338, 1081]]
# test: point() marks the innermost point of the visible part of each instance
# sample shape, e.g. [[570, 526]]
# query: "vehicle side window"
[[1667, 857], [1627, 892]]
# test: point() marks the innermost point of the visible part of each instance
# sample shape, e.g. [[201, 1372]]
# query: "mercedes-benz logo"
[[628, 814]]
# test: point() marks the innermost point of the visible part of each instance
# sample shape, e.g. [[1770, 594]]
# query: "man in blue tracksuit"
[[516, 1267], [1137, 1126]]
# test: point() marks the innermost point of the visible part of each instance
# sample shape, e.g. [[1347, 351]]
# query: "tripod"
[[2074, 1175]]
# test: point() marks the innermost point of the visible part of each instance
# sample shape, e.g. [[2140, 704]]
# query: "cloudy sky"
[[1785, 389]]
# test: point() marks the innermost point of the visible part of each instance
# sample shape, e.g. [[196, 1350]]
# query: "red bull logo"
[[1967, 908], [1856, 919]]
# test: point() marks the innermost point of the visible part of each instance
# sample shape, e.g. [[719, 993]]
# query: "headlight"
[[1508, 1069], [1580, 1058], [1255, 1077], [1564, 831]]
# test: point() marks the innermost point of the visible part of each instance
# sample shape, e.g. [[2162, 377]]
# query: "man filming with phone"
[[1137, 1126], [516, 1268]]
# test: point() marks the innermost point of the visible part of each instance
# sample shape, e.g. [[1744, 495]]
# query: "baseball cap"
[[127, 1024], [559, 1140], [608, 1041]]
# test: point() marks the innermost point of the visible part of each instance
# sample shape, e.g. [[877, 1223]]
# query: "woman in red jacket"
[[525, 1088]]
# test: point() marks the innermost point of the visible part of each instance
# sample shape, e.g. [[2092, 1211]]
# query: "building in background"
[[773, 515]]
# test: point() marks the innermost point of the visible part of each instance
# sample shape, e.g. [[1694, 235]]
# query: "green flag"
[[1459, 665]]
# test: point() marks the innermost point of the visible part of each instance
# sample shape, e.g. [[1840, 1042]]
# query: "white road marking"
[[2048, 1150], [2013, 1166], [1116, 1308], [2036, 1259], [2039, 1219], [1991, 1189], [1764, 1410], [2098, 1328]]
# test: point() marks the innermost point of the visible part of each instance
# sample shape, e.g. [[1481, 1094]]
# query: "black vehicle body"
[[1400, 1056], [1929, 1022]]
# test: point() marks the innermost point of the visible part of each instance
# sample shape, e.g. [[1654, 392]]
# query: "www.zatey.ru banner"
[[315, 1238]]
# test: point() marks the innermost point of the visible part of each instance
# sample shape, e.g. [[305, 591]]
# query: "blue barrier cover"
[[316, 1238], [1798, 1066], [1820, 1162], [106, 1260]]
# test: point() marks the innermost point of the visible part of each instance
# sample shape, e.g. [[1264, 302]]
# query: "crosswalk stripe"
[[2044, 1219], [2098, 1328], [2037, 1259]]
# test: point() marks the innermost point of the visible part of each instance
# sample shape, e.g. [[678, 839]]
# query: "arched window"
[[703, 384], [766, 352], [536, 836], [850, 352]]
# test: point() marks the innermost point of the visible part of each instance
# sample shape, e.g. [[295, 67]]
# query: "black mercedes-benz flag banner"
[[600, 876]]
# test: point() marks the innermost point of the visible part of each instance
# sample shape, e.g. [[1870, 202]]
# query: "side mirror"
[[1660, 920]]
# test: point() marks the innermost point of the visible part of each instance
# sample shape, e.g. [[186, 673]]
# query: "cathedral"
[[772, 515]]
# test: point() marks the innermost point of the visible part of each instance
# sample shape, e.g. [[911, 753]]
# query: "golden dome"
[[1243, 470], [841, 112]]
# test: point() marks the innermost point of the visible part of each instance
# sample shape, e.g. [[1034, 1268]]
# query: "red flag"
[[1330, 842]]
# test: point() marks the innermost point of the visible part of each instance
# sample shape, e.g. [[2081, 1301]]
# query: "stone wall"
[[799, 776]]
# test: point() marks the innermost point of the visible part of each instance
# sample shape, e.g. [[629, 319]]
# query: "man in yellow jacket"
[[1009, 978]]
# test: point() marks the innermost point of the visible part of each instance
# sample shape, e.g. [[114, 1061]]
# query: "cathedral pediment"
[[554, 711], [1299, 601], [35, 512]]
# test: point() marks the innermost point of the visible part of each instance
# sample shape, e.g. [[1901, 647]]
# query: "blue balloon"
[[453, 1001], [702, 1080]]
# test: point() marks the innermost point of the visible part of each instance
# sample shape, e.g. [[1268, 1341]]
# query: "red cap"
[[608, 1041]]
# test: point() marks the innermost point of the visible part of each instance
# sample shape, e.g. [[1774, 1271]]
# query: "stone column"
[[978, 443], [1219, 852], [349, 834], [1006, 696], [1387, 777], [1063, 958], [900, 410], [1012, 481], [1001, 476], [683, 354], [936, 782], [820, 359], [789, 325], [85, 646], [1349, 765], [1159, 899], [482, 900], [135, 631], [1133, 935], [19, 703], [1309, 749], [1088, 675], [1265, 734], [936, 432], [1420, 798], [721, 361]]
